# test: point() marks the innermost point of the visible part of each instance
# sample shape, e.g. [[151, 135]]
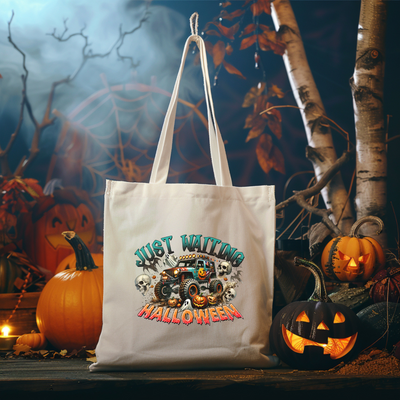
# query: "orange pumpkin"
[[173, 302], [69, 311], [353, 258], [212, 300], [200, 301], [69, 262], [36, 341], [53, 215]]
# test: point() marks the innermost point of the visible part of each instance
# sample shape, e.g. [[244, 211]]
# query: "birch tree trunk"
[[321, 151], [367, 88]]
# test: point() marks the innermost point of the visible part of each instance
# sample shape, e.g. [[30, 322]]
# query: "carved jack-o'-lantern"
[[43, 240], [353, 258], [314, 334], [200, 301], [202, 273]]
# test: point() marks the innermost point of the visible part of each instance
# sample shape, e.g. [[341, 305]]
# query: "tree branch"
[[301, 196]]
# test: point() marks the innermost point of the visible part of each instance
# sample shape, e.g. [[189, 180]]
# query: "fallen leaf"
[[218, 53], [247, 42], [232, 70], [63, 352], [228, 49], [92, 359], [21, 348]]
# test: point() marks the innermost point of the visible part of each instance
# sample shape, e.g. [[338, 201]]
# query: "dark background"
[[329, 33]]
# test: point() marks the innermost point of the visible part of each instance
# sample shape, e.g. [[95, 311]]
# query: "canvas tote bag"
[[188, 268]]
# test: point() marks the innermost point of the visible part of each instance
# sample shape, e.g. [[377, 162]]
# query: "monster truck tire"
[[162, 292], [188, 289], [216, 286]]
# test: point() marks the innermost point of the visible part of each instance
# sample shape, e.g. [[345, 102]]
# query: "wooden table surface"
[[70, 378]]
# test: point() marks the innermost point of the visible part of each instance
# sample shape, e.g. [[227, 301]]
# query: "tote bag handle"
[[162, 158]]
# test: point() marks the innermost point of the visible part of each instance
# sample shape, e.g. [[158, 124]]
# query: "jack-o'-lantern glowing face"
[[314, 335], [202, 273]]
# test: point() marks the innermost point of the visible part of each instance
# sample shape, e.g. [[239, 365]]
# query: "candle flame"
[[5, 330]]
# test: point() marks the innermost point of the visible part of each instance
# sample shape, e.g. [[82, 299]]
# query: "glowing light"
[[5, 330]]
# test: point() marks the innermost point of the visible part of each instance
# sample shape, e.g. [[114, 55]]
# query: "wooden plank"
[[9, 300]]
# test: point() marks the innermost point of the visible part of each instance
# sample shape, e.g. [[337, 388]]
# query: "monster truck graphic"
[[193, 273]]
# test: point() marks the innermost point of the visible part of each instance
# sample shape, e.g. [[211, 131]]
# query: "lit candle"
[[7, 341]]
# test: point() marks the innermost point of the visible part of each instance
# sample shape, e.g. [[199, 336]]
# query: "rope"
[[194, 23]]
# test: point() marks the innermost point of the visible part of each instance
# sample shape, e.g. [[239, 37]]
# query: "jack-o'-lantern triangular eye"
[[339, 318], [363, 259], [323, 326], [302, 317], [343, 257]]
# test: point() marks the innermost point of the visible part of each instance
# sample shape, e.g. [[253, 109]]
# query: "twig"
[[301, 196]]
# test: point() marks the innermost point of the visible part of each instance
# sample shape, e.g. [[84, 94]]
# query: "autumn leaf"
[[232, 70], [273, 90], [268, 40], [209, 47], [256, 9], [251, 96], [227, 32], [213, 32], [21, 348], [232, 15], [275, 126], [249, 28], [246, 2], [247, 42], [218, 53], [257, 129], [228, 49], [1, 76], [225, 4], [269, 156]]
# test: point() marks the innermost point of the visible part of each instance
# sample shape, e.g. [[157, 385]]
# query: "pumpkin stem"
[[369, 218], [84, 260], [319, 293]]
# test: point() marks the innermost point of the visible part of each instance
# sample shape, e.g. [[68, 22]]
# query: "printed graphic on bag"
[[195, 286]]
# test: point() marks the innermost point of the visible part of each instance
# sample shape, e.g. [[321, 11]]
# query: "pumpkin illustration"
[[353, 258], [36, 341], [212, 300], [200, 301], [69, 310], [314, 334], [9, 272], [69, 262], [64, 211], [172, 302], [202, 273]]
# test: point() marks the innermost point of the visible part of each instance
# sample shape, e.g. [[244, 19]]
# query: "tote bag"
[[188, 268]]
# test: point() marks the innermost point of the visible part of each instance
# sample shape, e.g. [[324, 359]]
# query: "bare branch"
[[301, 196]]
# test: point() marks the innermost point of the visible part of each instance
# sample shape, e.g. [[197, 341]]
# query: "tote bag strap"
[[162, 158]]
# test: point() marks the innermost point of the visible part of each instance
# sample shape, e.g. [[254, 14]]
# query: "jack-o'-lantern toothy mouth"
[[336, 348], [57, 240]]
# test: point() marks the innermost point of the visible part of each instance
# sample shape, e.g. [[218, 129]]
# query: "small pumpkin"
[[200, 301], [314, 334], [69, 310], [172, 302], [353, 258], [36, 341], [386, 285], [202, 273]]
